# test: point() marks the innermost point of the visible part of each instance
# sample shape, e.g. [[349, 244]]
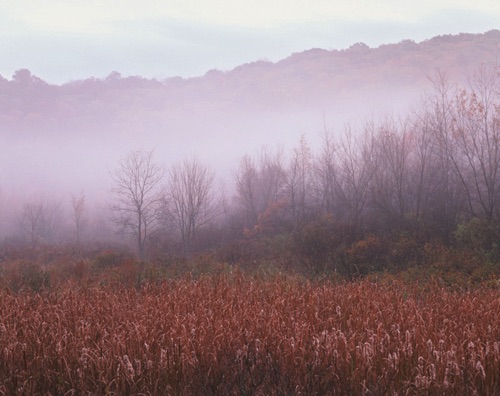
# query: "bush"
[[24, 274], [481, 237], [367, 255], [321, 244], [110, 259]]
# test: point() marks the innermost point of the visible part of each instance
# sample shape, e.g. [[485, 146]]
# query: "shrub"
[[367, 255], [481, 237], [24, 274], [109, 259], [321, 244]]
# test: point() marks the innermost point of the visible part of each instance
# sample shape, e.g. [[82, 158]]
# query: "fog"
[[60, 140], [79, 157], [62, 163]]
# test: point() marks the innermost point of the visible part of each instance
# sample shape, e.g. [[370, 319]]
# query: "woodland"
[[418, 194], [364, 260], [415, 193]]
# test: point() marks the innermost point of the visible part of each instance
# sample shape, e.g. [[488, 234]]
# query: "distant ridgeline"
[[315, 80]]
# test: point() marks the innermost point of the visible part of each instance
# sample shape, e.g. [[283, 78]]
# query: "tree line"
[[427, 174]]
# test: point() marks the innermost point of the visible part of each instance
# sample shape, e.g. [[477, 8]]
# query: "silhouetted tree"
[[299, 181], [476, 136], [137, 190], [191, 202], [32, 221], [356, 168], [325, 170], [447, 199], [259, 183], [78, 215], [41, 220], [391, 182]]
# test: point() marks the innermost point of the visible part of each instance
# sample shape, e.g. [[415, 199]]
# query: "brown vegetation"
[[408, 209], [249, 335]]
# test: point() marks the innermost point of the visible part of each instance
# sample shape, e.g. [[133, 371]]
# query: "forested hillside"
[[416, 189], [312, 80]]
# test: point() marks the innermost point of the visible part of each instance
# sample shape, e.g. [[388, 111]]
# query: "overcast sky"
[[63, 40]]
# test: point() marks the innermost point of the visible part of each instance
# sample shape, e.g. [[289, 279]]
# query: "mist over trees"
[[391, 192], [426, 175], [132, 261], [218, 117]]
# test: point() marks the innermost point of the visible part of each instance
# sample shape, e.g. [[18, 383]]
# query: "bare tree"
[[78, 215], [325, 170], [447, 200], [32, 221], [356, 168], [272, 176], [247, 189], [191, 202], [137, 182], [259, 183], [41, 220], [391, 184], [476, 134], [53, 220], [423, 169], [299, 181]]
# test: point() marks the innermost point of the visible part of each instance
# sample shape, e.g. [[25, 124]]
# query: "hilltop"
[[222, 114], [309, 80]]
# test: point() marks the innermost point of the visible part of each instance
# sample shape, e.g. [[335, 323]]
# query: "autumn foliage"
[[370, 266], [251, 335]]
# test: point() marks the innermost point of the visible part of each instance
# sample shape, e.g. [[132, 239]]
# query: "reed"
[[244, 335]]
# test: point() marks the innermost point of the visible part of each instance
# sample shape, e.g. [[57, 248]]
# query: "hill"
[[219, 116]]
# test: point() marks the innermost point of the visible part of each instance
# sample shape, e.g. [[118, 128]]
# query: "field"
[[250, 335]]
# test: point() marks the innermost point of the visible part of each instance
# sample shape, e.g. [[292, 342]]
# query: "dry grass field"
[[244, 335]]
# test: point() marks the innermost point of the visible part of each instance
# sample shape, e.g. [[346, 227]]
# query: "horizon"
[[121, 75], [65, 42]]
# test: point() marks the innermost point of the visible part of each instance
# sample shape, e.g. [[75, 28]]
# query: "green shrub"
[[480, 237]]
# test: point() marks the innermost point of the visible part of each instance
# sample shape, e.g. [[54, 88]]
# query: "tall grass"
[[236, 334]]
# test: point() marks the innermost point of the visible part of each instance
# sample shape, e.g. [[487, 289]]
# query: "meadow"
[[235, 333]]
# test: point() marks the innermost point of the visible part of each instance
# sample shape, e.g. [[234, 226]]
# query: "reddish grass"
[[249, 336]]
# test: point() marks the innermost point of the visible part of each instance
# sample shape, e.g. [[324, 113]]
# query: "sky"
[[66, 40]]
